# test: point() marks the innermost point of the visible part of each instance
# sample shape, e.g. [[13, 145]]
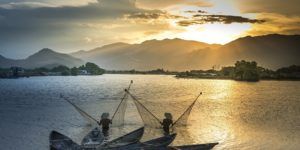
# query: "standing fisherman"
[[167, 122], [105, 122]]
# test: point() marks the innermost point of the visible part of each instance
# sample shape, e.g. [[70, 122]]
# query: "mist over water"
[[238, 115]]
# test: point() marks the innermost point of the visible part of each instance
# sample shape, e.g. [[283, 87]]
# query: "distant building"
[[16, 71], [83, 72]]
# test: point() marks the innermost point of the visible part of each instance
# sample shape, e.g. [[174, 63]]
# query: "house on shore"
[[83, 72]]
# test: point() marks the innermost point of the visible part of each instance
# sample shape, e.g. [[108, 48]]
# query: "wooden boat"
[[207, 146], [59, 141], [130, 138], [93, 138], [155, 144]]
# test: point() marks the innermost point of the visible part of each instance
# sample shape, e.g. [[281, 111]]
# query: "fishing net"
[[118, 117], [148, 118], [85, 115], [183, 119], [151, 120]]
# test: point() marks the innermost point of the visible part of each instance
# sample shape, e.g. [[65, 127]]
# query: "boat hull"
[[61, 142], [207, 146]]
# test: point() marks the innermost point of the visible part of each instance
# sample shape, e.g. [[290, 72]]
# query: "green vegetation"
[[87, 69], [92, 68], [245, 71], [292, 72], [74, 71], [4, 72], [64, 70], [241, 71]]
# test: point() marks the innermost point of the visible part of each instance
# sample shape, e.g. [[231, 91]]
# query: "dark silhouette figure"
[[105, 122], [167, 122]]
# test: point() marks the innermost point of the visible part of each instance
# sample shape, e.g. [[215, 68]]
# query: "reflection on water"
[[238, 115]]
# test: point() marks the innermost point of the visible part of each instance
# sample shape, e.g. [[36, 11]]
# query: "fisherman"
[[104, 122], [167, 122]]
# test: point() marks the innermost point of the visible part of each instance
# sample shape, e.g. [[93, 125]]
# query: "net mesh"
[[118, 118], [119, 115], [149, 119], [183, 119], [84, 114]]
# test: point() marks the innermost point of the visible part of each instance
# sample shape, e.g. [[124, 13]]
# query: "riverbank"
[[242, 71], [245, 71], [228, 78]]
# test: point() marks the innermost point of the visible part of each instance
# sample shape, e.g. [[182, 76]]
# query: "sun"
[[214, 33]]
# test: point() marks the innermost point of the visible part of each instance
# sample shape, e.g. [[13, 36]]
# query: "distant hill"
[[272, 51], [172, 54], [44, 58]]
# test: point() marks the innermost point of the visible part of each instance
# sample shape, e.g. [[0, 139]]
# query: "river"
[[238, 115]]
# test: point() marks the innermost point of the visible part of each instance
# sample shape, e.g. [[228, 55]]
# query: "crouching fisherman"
[[167, 122], [105, 122]]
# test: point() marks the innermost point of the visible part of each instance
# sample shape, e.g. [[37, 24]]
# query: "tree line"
[[86, 69], [245, 71]]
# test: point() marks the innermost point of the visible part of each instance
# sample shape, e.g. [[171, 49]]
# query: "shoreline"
[[174, 75], [225, 78]]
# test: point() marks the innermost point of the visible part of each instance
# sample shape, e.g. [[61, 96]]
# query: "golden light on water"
[[223, 89]]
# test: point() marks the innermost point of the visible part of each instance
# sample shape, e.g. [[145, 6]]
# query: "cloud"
[[224, 19], [276, 24], [152, 15], [160, 4], [284, 7], [151, 33], [282, 17], [35, 27], [25, 5], [194, 12], [43, 3]]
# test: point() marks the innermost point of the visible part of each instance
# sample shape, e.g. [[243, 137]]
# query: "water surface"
[[238, 115]]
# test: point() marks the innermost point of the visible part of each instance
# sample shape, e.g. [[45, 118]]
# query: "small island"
[[245, 71]]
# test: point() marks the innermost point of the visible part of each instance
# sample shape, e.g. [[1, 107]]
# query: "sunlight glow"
[[214, 33]]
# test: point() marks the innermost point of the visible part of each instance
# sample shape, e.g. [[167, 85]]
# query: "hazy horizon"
[[100, 46]]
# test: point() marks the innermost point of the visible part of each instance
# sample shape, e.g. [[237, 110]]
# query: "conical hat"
[[168, 115], [105, 115]]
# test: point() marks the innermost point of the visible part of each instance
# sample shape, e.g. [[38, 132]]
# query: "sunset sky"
[[65, 26]]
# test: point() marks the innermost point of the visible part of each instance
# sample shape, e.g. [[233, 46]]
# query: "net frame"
[[187, 112], [119, 114], [85, 115], [156, 122], [152, 121]]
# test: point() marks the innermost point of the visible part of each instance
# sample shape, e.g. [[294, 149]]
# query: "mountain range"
[[44, 58], [270, 51]]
